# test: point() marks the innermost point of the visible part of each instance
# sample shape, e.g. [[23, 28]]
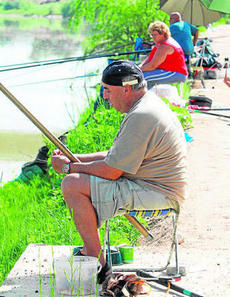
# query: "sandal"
[[104, 273]]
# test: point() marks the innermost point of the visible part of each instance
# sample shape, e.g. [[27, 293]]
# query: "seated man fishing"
[[145, 168]]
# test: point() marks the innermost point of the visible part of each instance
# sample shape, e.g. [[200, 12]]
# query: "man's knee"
[[75, 183]]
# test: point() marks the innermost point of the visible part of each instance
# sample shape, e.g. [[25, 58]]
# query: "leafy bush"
[[116, 23], [27, 8], [67, 10]]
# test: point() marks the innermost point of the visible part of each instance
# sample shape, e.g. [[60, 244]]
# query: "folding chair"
[[174, 243]]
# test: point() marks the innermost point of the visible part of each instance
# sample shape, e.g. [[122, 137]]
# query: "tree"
[[115, 23]]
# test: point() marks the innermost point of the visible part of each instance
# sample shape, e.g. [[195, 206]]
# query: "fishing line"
[[82, 58], [63, 59], [5, 79], [53, 80]]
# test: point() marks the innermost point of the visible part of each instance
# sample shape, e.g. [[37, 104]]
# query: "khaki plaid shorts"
[[111, 198]]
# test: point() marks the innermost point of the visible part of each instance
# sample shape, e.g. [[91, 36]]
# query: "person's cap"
[[117, 73]]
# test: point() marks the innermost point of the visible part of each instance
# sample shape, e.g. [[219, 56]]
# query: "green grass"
[[36, 212]]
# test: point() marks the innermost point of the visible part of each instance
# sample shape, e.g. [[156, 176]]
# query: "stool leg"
[[106, 246], [175, 244], [173, 248], [105, 240]]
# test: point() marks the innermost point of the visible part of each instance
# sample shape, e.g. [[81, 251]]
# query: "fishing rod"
[[165, 282], [52, 80], [215, 109], [64, 149], [211, 113], [72, 59], [34, 62], [60, 59]]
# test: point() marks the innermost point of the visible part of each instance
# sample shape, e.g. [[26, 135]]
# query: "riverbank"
[[32, 8], [18, 146], [15, 150]]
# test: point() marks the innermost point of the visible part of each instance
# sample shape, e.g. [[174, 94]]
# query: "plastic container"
[[76, 275], [116, 257], [127, 254]]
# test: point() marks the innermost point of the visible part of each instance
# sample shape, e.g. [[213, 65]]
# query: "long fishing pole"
[[34, 62], [215, 109], [211, 113], [210, 109], [60, 59], [73, 59], [164, 282], [64, 149], [53, 80]]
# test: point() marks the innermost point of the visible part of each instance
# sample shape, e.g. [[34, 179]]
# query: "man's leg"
[[76, 192]]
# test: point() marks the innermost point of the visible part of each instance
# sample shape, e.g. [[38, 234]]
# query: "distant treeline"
[[33, 7]]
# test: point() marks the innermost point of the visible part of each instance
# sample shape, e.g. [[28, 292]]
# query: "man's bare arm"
[[195, 37], [98, 168], [92, 156], [158, 58]]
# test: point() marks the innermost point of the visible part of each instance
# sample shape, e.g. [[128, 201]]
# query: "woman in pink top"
[[165, 63]]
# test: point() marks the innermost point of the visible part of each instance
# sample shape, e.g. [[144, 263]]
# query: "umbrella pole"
[[191, 11], [64, 149]]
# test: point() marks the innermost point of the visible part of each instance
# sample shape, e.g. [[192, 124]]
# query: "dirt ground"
[[204, 224]]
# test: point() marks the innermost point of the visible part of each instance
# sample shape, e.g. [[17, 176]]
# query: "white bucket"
[[76, 275]]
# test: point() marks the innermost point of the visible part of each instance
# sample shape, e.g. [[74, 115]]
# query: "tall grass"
[[36, 212]]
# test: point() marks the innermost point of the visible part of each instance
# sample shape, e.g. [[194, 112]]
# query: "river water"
[[54, 94]]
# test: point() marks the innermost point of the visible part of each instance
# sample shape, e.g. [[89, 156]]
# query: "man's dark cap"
[[115, 74]]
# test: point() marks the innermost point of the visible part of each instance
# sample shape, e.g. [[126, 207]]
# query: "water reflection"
[[52, 93]]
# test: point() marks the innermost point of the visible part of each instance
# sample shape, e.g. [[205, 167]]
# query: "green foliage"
[[183, 89], [68, 9], [25, 7], [99, 132], [202, 29], [115, 23], [221, 21], [31, 213], [182, 114]]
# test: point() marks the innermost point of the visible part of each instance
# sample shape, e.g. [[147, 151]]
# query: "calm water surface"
[[51, 93]]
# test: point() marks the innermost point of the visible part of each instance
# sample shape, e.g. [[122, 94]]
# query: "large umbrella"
[[218, 5], [192, 11]]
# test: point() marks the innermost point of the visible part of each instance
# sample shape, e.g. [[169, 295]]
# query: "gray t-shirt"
[[150, 148]]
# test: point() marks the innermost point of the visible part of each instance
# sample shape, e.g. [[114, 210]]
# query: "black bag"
[[200, 101]]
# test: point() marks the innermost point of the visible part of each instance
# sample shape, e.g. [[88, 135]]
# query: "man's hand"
[[57, 160]]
